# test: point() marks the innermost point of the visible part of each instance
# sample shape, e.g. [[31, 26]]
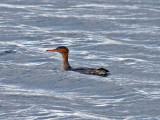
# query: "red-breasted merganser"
[[66, 66]]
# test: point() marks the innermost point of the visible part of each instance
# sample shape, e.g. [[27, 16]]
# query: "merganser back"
[[66, 66]]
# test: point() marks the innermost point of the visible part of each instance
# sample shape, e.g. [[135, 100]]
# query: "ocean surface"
[[122, 36]]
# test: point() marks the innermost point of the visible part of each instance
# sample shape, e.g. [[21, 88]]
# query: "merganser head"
[[60, 49], [64, 51]]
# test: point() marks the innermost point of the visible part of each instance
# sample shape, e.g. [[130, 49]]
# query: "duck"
[[64, 51]]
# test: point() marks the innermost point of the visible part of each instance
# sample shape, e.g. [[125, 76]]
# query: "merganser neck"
[[65, 65]]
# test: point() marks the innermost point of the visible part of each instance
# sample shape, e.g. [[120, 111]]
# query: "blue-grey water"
[[122, 36]]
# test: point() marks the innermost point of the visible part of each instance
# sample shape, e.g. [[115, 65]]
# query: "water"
[[122, 36]]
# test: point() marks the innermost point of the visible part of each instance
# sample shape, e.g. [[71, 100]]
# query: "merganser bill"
[[66, 66]]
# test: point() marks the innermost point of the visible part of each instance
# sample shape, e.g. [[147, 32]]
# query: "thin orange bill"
[[52, 50]]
